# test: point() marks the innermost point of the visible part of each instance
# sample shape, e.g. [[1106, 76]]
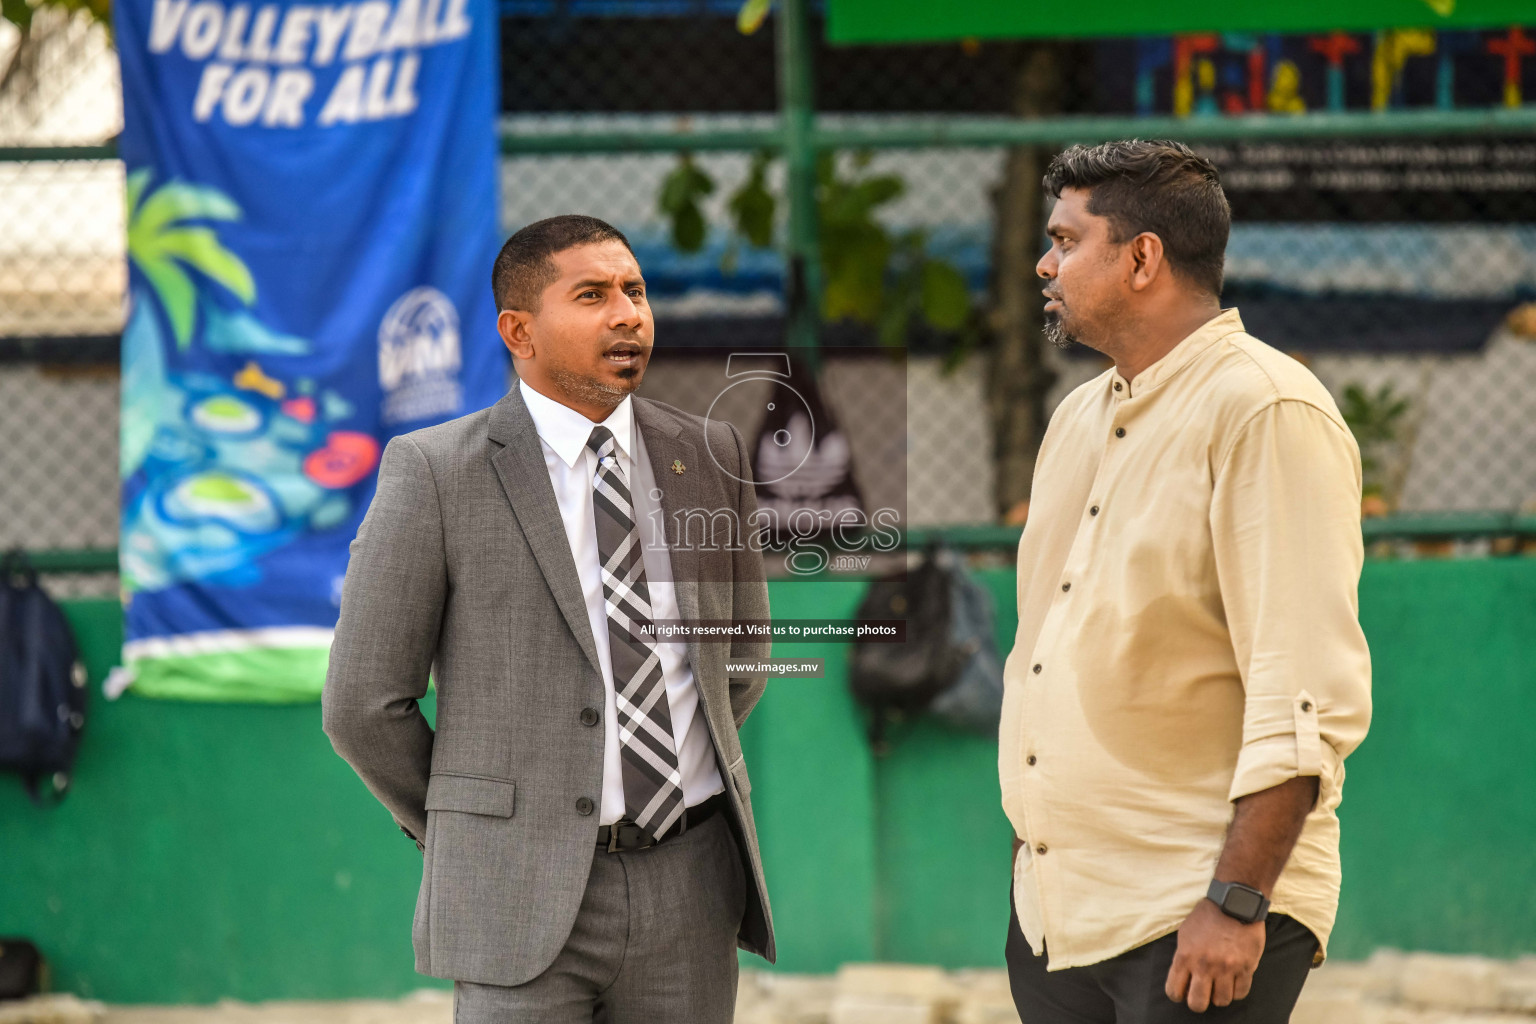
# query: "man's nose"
[[623, 311], [1046, 268]]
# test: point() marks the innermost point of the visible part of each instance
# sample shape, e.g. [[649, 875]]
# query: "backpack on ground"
[[23, 971], [949, 665], [42, 684]]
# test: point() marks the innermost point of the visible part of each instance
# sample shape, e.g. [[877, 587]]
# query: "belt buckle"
[[648, 839], [630, 829]]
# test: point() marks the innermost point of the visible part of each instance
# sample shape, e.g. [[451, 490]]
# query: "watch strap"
[[1220, 892]]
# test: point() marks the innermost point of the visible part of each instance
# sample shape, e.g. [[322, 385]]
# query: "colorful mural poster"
[[1357, 243], [312, 215]]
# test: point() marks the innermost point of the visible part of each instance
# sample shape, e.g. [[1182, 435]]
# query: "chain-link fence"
[[1397, 269]]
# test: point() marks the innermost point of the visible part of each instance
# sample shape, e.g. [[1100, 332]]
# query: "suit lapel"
[[524, 478], [668, 453], [668, 450]]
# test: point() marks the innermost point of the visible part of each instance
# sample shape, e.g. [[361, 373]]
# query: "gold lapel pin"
[[678, 467]]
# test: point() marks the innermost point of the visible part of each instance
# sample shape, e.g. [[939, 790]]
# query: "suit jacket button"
[[589, 716], [584, 805]]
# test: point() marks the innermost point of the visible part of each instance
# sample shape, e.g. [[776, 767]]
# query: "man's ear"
[[515, 328], [1146, 260]]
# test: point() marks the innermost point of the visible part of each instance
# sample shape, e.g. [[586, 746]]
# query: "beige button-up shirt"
[[1188, 634]]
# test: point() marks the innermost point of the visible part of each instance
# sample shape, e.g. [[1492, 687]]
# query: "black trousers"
[[1128, 989]]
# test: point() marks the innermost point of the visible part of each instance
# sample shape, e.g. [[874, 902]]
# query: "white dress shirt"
[[563, 434]]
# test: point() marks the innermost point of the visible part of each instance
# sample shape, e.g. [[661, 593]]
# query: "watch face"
[[1242, 902]]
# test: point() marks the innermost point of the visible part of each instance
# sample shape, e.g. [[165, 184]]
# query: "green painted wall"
[[213, 851], [1439, 813], [207, 850], [813, 785]]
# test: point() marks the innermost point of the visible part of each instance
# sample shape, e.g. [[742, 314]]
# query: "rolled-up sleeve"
[[1285, 524]]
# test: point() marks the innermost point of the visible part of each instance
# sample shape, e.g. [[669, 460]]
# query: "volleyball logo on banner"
[[419, 357], [312, 200]]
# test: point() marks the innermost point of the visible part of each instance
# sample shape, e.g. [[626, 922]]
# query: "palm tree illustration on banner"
[[224, 463], [164, 247]]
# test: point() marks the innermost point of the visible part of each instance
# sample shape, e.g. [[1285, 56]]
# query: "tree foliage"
[[681, 193], [871, 274], [1375, 419]]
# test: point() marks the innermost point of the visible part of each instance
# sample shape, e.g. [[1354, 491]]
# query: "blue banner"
[[312, 218]]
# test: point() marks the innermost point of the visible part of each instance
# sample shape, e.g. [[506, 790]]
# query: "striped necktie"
[[653, 785]]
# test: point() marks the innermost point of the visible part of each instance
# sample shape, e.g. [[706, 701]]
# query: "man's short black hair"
[[526, 266], [1158, 186]]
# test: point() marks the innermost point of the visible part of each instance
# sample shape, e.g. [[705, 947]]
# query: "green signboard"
[[911, 21]]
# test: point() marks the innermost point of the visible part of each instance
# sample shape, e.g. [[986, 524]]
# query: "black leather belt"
[[624, 835]]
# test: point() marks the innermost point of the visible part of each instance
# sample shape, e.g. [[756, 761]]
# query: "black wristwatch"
[[1238, 901]]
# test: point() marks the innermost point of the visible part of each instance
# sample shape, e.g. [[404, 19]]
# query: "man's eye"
[[589, 294], [638, 293]]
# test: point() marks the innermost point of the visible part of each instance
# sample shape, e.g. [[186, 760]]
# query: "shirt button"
[[583, 805], [1306, 705], [1094, 511], [1119, 431], [1119, 386], [1030, 760], [1065, 587], [1037, 669], [589, 716], [1041, 849]]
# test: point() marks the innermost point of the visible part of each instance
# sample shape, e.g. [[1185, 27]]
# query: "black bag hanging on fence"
[[42, 684], [948, 665], [974, 701]]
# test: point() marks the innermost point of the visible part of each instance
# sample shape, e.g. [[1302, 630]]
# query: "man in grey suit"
[[590, 852]]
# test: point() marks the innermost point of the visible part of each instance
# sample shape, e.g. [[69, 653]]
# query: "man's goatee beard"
[[1056, 334], [594, 390]]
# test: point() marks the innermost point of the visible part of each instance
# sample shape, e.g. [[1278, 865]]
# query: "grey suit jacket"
[[461, 568]]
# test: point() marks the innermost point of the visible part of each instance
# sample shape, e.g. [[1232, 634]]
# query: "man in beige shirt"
[[1189, 671]]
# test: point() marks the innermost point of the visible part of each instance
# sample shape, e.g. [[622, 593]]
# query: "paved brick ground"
[[1389, 988]]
